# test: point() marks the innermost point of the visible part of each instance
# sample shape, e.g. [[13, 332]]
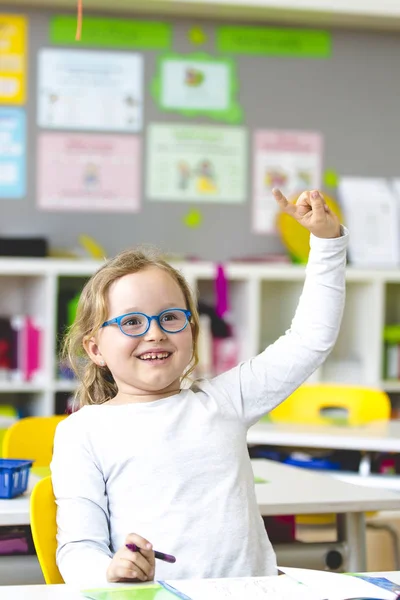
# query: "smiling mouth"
[[154, 356]]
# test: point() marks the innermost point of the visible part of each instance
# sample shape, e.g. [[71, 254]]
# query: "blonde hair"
[[96, 384]]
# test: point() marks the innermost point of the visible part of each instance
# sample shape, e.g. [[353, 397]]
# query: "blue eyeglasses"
[[172, 320]]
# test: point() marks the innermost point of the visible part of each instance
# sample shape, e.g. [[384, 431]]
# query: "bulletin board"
[[347, 99]]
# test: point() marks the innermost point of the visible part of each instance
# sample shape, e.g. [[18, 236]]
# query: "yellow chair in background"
[[333, 404], [43, 511], [32, 437]]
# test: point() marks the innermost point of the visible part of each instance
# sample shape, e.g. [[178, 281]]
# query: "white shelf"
[[9, 387], [390, 386], [344, 13], [263, 300]]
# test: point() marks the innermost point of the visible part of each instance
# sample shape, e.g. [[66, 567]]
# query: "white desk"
[[294, 491], [288, 491], [379, 436], [66, 592]]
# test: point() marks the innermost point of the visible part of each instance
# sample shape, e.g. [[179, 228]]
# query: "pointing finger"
[[282, 201]]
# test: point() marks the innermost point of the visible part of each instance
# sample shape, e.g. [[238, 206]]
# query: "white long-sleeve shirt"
[[177, 471]]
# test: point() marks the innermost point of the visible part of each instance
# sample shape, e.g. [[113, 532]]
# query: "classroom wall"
[[351, 98]]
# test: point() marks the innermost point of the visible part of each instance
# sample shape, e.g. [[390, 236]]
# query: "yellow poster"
[[12, 59]]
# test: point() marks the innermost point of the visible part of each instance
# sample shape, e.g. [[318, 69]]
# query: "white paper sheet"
[[82, 89], [371, 212], [336, 586], [244, 588]]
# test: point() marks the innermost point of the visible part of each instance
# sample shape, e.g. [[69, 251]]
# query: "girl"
[[146, 462]]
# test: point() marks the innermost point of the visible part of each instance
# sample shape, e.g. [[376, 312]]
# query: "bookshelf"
[[263, 297]]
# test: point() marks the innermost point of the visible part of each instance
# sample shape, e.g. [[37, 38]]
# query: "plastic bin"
[[14, 475]]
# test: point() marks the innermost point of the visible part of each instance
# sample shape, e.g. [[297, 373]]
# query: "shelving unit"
[[263, 298]]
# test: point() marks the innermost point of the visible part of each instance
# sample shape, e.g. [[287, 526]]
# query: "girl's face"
[[149, 291]]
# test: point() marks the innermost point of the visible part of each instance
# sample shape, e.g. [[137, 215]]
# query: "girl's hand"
[[311, 212], [132, 566]]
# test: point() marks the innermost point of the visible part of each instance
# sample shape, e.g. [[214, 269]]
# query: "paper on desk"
[[336, 586], [241, 588], [135, 592]]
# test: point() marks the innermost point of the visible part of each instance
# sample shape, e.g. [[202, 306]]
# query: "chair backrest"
[[322, 404], [43, 511], [32, 438]]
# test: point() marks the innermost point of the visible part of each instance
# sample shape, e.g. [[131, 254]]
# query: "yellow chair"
[[43, 510], [324, 404], [32, 437]]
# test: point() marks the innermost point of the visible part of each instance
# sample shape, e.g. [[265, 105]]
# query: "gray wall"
[[352, 98]]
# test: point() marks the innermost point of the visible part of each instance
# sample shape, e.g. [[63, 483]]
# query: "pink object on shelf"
[[32, 341], [221, 292]]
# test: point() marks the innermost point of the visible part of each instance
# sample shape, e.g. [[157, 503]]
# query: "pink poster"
[[89, 172], [288, 160]]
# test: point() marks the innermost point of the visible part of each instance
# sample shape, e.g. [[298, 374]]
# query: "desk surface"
[[66, 592], [291, 490], [379, 436], [288, 490]]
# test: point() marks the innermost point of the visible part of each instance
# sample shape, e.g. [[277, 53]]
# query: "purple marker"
[[167, 557]]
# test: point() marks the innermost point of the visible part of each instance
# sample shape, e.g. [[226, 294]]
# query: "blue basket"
[[14, 475]]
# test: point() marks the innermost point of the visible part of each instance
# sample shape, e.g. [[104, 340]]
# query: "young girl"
[[146, 462]]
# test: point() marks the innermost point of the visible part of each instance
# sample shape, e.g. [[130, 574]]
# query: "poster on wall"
[[198, 84], [274, 41], [92, 173], [12, 152], [288, 160], [13, 30], [195, 162], [84, 89], [105, 32]]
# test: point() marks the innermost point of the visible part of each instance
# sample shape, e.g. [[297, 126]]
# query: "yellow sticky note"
[[12, 59], [331, 178], [197, 36], [193, 219]]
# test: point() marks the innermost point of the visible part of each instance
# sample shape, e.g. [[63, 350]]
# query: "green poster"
[[274, 41], [197, 84], [196, 163], [112, 33]]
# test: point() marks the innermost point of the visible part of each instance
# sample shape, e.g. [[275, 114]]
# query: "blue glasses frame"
[[149, 318]]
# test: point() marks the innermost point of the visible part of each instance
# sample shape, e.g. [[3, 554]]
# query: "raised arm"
[[83, 553], [256, 386]]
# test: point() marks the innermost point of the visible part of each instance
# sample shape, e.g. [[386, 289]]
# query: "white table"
[[379, 436], [288, 491], [67, 592], [294, 491]]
